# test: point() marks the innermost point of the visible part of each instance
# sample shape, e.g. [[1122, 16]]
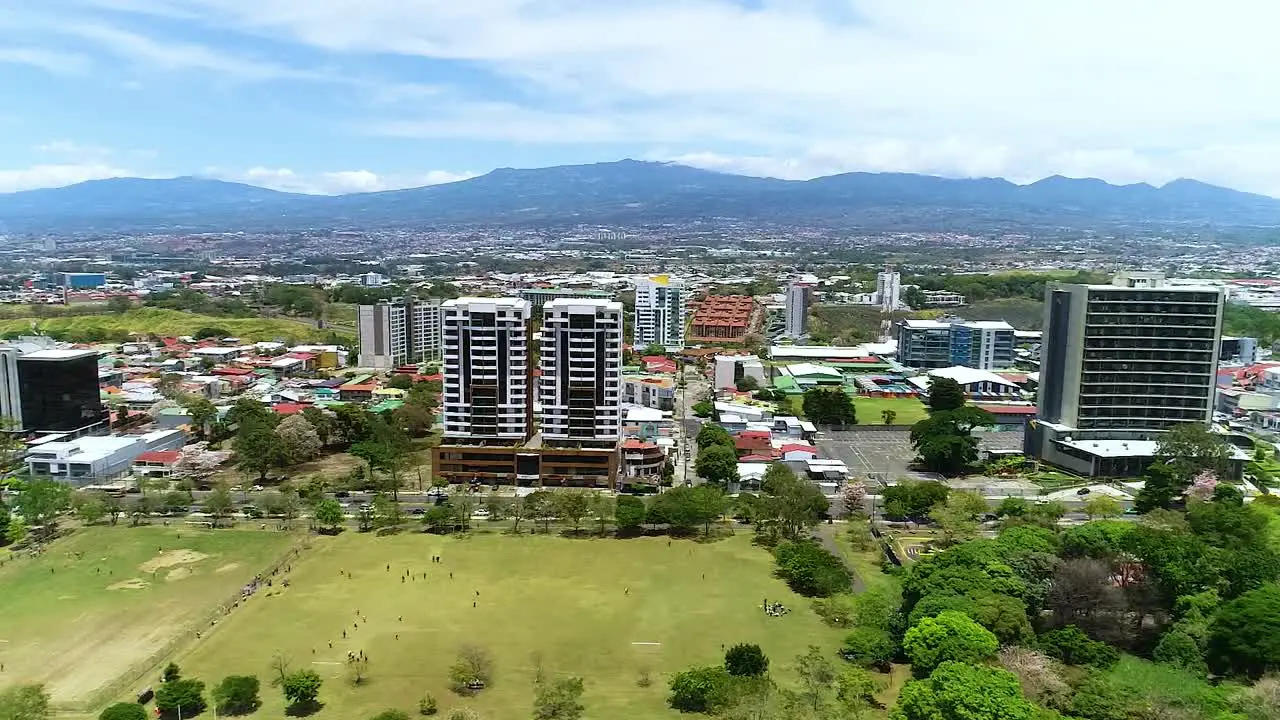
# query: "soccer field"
[[103, 604], [608, 610], [908, 411]]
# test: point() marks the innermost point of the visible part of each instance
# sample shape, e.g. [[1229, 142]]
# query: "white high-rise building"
[[888, 290], [660, 312], [401, 331], [486, 369], [581, 384], [799, 297]]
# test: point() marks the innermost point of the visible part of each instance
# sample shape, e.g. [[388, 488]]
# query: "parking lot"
[[877, 453]]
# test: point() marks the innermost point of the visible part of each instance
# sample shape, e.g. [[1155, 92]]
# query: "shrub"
[[811, 570], [428, 706], [746, 660], [700, 689], [237, 695], [391, 715], [1179, 649], [835, 611], [869, 648], [1073, 647], [124, 711], [171, 672]]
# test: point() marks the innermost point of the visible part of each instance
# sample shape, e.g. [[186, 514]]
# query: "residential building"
[[983, 345], [976, 384], [799, 297], [729, 369], [650, 391], [1120, 364], [90, 460], [942, 298], [888, 290], [724, 317], [581, 383], [58, 391], [660, 312], [486, 369], [400, 331], [537, 297]]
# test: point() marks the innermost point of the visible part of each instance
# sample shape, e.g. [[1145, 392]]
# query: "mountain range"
[[635, 192]]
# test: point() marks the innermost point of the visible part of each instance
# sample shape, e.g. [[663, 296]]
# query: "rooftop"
[[60, 354]]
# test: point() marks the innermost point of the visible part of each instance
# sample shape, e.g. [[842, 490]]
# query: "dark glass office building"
[[58, 390]]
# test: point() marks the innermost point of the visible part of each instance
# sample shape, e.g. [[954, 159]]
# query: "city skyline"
[[342, 97]]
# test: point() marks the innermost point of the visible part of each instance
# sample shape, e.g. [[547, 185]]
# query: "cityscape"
[[590, 361]]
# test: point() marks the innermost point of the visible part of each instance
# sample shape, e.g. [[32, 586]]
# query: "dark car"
[[1082, 491]]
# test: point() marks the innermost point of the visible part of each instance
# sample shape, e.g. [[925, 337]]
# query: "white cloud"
[[59, 63], [57, 175], [333, 183]]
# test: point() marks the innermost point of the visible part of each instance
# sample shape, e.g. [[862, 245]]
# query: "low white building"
[[731, 368]]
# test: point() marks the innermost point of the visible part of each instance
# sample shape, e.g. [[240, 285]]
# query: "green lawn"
[[103, 603], [605, 609], [908, 411], [159, 321]]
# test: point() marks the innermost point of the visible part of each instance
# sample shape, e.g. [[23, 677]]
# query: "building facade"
[[799, 297], [401, 331], [888, 290], [724, 317], [58, 391], [486, 369], [1120, 364], [660, 312], [985, 345], [581, 384]]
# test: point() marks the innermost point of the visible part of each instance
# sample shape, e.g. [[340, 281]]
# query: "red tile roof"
[[167, 457], [1008, 409], [752, 443], [634, 444], [756, 458], [289, 408], [232, 371], [798, 447]]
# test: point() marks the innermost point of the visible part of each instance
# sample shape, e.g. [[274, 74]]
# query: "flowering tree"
[[854, 497], [1202, 486]]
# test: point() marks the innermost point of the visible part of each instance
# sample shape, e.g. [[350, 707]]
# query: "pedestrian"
[[473, 603], [344, 634], [330, 644], [397, 636], [388, 567], [477, 593], [450, 575], [626, 591], [401, 618]]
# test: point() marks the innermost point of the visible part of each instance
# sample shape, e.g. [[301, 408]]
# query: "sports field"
[[104, 603], [608, 610], [907, 411]]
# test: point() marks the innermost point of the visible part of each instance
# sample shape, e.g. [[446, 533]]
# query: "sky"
[[333, 96]]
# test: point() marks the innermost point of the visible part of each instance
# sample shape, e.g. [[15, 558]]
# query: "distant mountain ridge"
[[631, 191]]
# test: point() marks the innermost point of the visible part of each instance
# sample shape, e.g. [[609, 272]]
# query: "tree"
[[257, 447], [945, 394], [299, 440], [712, 434], [301, 688], [472, 670], [958, 516], [237, 695], [817, 676], [171, 672], [90, 506], [945, 441], [219, 503], [1103, 506], [1244, 635], [202, 414], [703, 409], [1073, 647], [705, 504], [829, 406], [328, 514], [321, 422], [700, 689], [540, 505], [249, 410], [1190, 448], [124, 711], [183, 697], [789, 506], [888, 416], [386, 512], [746, 660], [601, 506], [950, 635], [853, 498], [959, 691], [717, 464], [1179, 649], [16, 531], [573, 506], [628, 513], [810, 570], [914, 500], [747, 383], [25, 702], [869, 647], [558, 699], [856, 692], [40, 502]]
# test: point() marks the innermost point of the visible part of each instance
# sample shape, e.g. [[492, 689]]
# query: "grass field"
[[159, 321], [908, 411], [605, 609], [1022, 313], [101, 604]]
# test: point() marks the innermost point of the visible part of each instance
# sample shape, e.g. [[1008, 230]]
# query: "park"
[[623, 614]]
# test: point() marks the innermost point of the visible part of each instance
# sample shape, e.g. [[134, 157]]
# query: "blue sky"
[[350, 95]]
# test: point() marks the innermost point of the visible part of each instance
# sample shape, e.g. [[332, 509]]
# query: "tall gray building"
[[400, 331], [985, 345], [1120, 364]]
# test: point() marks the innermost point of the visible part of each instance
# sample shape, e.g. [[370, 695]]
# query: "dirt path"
[[826, 534]]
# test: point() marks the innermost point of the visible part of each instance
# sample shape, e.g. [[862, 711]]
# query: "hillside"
[[630, 191]]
